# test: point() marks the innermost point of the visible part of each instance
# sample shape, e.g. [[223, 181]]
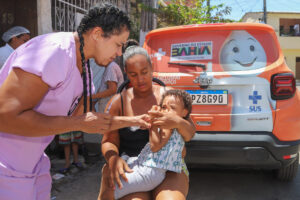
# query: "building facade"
[[45, 16], [286, 26]]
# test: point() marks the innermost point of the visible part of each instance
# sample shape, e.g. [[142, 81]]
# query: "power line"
[[251, 7], [239, 5]]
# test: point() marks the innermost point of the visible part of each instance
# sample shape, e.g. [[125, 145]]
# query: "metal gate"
[[66, 14]]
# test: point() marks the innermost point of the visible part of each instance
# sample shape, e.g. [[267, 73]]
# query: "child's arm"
[[158, 138]]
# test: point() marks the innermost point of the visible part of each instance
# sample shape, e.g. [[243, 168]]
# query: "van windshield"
[[224, 50]]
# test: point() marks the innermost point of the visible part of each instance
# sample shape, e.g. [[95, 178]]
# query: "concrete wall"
[[44, 16], [252, 17], [290, 57]]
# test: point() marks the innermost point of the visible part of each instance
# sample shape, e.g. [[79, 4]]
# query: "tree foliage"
[[183, 12]]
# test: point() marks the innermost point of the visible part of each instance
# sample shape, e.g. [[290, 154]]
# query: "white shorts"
[[142, 179]]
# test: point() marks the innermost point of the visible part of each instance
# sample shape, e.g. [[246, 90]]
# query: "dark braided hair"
[[112, 21], [181, 94]]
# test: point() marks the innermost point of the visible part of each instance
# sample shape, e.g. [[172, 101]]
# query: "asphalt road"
[[205, 184], [241, 185]]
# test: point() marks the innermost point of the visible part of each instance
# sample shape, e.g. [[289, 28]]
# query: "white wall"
[[44, 16]]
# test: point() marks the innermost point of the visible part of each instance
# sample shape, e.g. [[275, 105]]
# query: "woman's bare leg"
[[174, 187], [138, 196], [67, 150], [75, 152], [106, 193]]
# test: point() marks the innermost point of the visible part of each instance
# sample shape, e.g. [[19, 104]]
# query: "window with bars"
[[66, 14], [289, 27]]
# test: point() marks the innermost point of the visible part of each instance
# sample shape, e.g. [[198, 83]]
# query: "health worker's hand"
[[96, 122]]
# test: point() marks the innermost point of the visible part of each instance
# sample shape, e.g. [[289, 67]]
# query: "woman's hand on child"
[[117, 167], [165, 120]]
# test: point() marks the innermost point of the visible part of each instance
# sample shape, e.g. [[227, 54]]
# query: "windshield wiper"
[[203, 66]]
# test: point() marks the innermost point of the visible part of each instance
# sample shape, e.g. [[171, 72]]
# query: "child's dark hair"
[[112, 21], [186, 99], [130, 42]]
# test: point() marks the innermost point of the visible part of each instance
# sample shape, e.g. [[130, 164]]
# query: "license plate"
[[209, 97]]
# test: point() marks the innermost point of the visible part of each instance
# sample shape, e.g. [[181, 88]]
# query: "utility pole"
[[265, 11], [208, 8]]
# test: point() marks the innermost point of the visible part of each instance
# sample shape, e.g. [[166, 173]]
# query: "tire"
[[289, 172]]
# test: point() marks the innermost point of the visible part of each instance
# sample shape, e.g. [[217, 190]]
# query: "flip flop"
[[64, 170], [78, 165]]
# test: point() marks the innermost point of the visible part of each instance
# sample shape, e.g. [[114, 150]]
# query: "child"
[[162, 153], [71, 139]]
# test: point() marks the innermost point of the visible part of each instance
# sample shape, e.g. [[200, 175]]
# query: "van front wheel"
[[289, 172]]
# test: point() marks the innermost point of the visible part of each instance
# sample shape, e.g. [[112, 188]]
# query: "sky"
[[240, 7]]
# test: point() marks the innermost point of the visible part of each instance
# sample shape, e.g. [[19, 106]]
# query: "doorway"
[[18, 13]]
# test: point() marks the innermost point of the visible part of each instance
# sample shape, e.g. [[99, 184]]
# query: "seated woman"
[[136, 101]]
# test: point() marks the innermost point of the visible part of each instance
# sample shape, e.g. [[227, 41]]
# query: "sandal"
[[64, 170], [78, 165]]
